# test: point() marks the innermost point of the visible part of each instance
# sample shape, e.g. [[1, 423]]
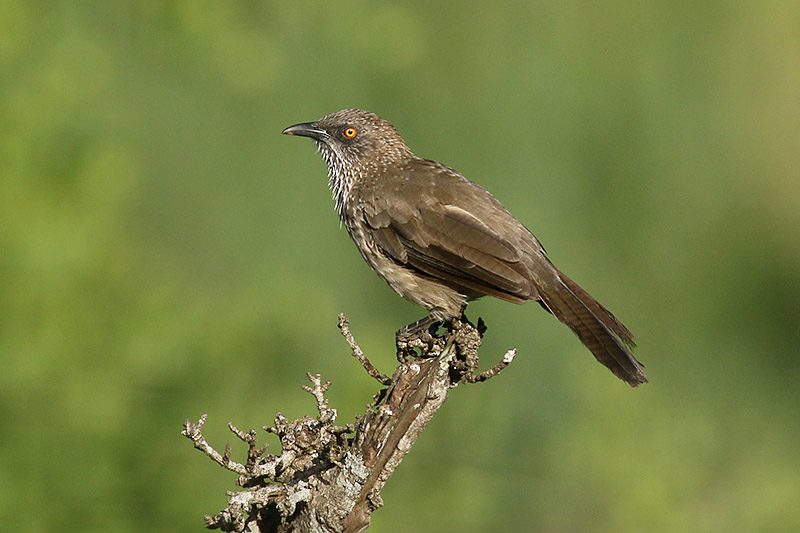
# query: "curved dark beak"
[[306, 129]]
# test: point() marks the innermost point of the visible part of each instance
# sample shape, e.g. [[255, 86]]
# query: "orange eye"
[[350, 133]]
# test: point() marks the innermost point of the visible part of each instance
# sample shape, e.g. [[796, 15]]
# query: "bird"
[[440, 240]]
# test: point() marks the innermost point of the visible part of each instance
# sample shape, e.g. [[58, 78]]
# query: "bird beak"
[[306, 129]]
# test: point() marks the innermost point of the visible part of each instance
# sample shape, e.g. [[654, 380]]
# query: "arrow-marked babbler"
[[440, 240]]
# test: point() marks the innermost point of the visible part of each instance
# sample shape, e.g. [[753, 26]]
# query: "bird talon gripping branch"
[[440, 240]]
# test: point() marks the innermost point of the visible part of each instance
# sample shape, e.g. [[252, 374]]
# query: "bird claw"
[[420, 335]]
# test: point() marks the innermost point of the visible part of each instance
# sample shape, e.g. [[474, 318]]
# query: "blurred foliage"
[[166, 252]]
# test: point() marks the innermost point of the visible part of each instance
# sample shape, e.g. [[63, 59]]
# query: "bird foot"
[[480, 326], [420, 335]]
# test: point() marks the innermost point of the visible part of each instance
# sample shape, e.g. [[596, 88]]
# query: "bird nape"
[[440, 240]]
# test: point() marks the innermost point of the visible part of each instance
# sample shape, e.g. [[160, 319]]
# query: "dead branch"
[[329, 478]]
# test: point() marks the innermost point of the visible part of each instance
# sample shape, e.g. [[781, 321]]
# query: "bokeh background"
[[165, 252]]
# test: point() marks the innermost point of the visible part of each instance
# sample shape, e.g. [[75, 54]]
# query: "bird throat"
[[340, 179]]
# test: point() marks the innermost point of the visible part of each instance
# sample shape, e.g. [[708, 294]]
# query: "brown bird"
[[440, 240]]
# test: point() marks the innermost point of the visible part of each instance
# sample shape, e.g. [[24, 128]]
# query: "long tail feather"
[[600, 331]]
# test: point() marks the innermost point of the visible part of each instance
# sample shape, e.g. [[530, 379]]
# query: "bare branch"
[[318, 391], [492, 372], [194, 433], [329, 478], [344, 326]]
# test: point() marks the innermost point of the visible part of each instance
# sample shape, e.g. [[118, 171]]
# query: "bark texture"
[[329, 478]]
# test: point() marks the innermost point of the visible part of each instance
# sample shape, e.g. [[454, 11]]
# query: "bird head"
[[351, 139]]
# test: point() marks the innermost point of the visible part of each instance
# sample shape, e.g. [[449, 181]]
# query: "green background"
[[165, 252]]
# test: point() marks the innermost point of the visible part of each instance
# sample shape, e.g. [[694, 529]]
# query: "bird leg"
[[420, 334], [480, 326], [416, 328], [456, 322]]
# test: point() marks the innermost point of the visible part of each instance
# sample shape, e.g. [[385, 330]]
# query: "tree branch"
[[329, 478], [344, 326]]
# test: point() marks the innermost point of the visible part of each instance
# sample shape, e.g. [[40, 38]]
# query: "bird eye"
[[350, 133]]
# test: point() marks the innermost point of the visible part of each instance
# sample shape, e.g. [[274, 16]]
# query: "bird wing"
[[455, 231], [443, 238]]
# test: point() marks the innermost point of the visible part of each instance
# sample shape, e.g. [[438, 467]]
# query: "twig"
[[318, 391], [470, 377], [194, 433], [344, 326]]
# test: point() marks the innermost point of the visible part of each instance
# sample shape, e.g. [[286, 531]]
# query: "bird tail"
[[600, 331]]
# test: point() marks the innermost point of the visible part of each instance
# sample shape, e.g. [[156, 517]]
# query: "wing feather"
[[451, 244]]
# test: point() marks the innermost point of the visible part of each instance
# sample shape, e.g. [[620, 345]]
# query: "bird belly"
[[441, 301]]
